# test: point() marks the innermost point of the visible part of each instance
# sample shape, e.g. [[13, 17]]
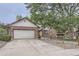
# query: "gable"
[[24, 22]]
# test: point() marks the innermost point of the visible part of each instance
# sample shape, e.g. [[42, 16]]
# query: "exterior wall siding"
[[24, 23]]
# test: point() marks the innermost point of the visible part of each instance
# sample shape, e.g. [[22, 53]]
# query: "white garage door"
[[23, 34]]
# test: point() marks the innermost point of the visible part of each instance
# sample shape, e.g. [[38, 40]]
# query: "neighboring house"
[[23, 28]]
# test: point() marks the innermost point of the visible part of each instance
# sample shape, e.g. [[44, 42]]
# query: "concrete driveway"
[[33, 47]]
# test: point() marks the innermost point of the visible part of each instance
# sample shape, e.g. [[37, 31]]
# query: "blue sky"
[[8, 11]]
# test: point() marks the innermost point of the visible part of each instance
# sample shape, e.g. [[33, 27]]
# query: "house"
[[47, 32], [23, 28]]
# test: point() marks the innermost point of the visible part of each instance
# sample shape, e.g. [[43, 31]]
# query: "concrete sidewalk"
[[2, 43], [34, 47]]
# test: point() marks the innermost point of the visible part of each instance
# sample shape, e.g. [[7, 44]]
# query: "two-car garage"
[[24, 34], [23, 28]]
